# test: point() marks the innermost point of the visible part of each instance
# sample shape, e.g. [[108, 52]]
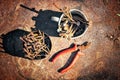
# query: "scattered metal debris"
[[118, 14], [112, 37], [34, 44], [115, 37]]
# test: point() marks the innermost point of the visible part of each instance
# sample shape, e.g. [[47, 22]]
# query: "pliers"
[[76, 48]]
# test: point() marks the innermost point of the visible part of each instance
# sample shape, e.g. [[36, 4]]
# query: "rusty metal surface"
[[101, 60]]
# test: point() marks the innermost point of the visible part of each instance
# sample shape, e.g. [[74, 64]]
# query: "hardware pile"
[[68, 26], [34, 45], [66, 30]]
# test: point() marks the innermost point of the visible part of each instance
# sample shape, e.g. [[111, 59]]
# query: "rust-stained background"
[[101, 60]]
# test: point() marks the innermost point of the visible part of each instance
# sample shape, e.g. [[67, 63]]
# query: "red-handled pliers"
[[76, 48]]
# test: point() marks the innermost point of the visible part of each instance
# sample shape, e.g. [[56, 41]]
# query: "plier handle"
[[76, 48]]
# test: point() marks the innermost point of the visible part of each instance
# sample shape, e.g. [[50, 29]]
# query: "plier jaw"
[[84, 46], [76, 48]]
